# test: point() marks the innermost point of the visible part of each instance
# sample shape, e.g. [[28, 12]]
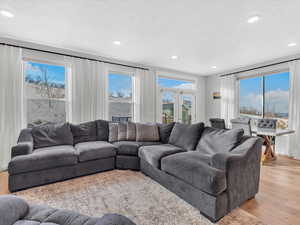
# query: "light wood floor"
[[278, 201]]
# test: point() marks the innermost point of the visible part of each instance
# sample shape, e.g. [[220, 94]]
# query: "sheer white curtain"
[[11, 79], [229, 98], [294, 109], [144, 97], [87, 90]]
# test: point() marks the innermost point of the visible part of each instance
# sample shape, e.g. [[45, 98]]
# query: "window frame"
[[263, 76], [121, 71], [25, 97]]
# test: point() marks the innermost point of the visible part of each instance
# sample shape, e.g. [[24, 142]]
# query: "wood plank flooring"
[[278, 201]]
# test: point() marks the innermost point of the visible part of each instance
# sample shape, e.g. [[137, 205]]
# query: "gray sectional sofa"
[[16, 211], [215, 170]]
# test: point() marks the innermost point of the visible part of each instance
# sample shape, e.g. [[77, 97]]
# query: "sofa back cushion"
[[52, 135], [147, 132], [102, 130], [186, 136], [165, 130], [84, 132], [214, 140]]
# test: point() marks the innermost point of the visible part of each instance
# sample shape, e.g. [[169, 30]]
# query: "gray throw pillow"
[[102, 130], [131, 131], [84, 132], [113, 132], [122, 132], [165, 130], [214, 140], [186, 136], [147, 132], [52, 135]]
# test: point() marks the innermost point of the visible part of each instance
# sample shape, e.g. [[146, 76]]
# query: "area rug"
[[128, 193]]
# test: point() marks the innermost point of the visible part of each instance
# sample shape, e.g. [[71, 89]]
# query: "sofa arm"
[[241, 154], [22, 148], [242, 168], [114, 219], [12, 209]]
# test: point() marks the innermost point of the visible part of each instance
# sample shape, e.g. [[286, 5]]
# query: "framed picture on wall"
[[216, 95]]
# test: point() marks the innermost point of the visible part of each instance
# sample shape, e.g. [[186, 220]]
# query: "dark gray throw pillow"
[[165, 130], [52, 135], [102, 130], [214, 140], [186, 136], [147, 132], [84, 132]]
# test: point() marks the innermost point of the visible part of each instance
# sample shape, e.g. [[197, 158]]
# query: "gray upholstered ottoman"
[[16, 211]]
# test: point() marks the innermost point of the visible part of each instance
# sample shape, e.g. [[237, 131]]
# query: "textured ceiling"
[[202, 33]]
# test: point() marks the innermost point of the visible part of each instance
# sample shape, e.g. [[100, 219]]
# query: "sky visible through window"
[[276, 95], [120, 85], [172, 83], [56, 73]]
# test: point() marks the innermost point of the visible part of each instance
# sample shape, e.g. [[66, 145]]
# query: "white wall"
[[213, 106]]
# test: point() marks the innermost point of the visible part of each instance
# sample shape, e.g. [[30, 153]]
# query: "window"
[[178, 84], [120, 97], [168, 107], [251, 96], [266, 96], [177, 100], [45, 93]]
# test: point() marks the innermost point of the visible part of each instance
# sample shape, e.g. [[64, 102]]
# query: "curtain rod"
[[79, 57], [260, 67]]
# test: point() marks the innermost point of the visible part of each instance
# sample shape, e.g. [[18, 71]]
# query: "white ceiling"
[[203, 33]]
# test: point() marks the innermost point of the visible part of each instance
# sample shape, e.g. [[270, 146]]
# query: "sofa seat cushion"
[[153, 154], [131, 147], [43, 158], [194, 169], [94, 150]]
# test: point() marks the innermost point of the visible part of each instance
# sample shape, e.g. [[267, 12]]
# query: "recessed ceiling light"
[[253, 19], [214, 67], [292, 44], [174, 57], [117, 42], [6, 13]]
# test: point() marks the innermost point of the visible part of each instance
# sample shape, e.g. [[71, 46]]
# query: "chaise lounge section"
[[215, 170]]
